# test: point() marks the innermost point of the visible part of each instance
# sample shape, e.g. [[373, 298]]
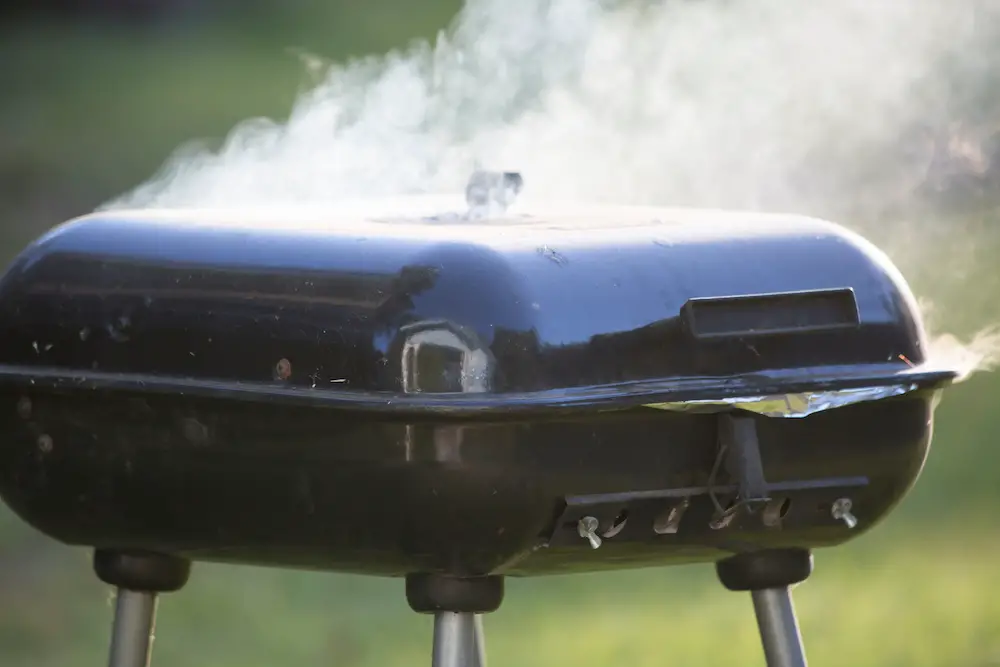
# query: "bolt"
[[841, 511], [24, 407], [587, 528], [45, 443]]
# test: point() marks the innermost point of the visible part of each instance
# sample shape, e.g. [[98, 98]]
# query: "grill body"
[[394, 390]]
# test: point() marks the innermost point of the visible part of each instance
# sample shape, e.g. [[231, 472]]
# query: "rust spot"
[[283, 369]]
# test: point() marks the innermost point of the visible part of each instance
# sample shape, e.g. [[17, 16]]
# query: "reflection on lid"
[[441, 357]]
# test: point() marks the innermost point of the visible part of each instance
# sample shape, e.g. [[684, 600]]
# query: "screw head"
[[587, 529], [841, 511]]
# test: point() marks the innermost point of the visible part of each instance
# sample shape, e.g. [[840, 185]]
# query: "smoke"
[[815, 107], [981, 352]]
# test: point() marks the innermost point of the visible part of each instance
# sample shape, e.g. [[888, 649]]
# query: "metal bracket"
[[664, 510], [739, 450]]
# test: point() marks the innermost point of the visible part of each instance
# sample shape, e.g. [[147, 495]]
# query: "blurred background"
[[95, 94]]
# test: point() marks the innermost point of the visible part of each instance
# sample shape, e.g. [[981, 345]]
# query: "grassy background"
[[88, 111]]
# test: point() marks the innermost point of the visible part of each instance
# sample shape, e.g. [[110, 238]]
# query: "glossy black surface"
[[387, 396], [328, 489], [551, 305]]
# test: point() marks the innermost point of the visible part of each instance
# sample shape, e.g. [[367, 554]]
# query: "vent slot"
[[771, 314]]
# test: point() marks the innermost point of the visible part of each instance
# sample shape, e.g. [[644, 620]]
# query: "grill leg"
[[480, 639], [132, 635], [779, 629], [455, 640], [768, 575], [458, 604], [138, 579]]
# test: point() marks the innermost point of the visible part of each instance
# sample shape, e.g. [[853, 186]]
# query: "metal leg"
[[456, 643], [132, 636], [480, 639], [779, 629]]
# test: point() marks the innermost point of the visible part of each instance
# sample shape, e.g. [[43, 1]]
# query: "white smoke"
[[721, 103], [683, 101], [981, 352]]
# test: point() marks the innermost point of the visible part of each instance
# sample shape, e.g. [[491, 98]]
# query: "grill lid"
[[423, 304]]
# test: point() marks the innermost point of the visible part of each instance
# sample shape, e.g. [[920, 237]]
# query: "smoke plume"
[[819, 107]]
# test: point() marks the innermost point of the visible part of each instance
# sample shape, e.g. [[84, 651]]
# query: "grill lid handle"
[[492, 192]]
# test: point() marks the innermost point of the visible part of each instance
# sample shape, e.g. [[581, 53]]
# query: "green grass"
[[871, 605], [88, 112], [893, 598]]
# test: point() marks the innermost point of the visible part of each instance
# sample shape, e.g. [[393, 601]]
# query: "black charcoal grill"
[[456, 392]]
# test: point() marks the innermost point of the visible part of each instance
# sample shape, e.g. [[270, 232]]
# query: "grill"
[[456, 392]]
